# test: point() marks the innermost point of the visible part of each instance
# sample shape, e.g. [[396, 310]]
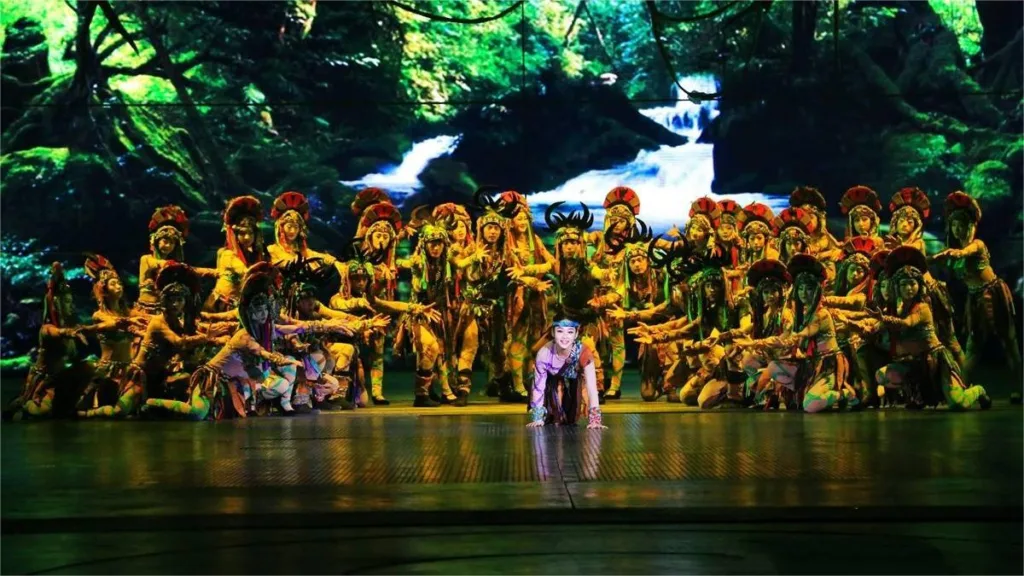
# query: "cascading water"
[[668, 179], [402, 180]]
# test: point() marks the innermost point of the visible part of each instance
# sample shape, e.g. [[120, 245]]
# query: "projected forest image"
[[112, 109]]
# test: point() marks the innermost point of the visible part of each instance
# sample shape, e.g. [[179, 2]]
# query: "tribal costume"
[[578, 293], [50, 385], [558, 396], [243, 247], [116, 343], [989, 313], [622, 206], [481, 320], [526, 306], [168, 334], [641, 290], [767, 317], [822, 244], [852, 287], [861, 206], [815, 368], [377, 234], [433, 284], [303, 280], [910, 208], [921, 367], [795, 227], [168, 229], [730, 242]]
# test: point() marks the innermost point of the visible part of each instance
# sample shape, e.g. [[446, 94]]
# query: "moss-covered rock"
[[26, 67]]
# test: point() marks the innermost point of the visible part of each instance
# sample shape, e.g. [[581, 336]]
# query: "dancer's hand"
[[515, 272], [542, 286], [379, 322], [646, 338], [616, 313]]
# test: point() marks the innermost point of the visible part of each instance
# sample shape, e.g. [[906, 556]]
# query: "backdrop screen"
[[113, 109]]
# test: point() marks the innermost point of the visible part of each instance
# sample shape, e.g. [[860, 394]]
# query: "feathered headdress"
[[100, 271], [169, 222], [797, 221], [911, 198], [767, 269], [808, 196], [290, 202], [621, 203], [756, 217], [729, 212], [860, 201], [303, 277], [807, 267], [176, 277], [368, 197], [242, 212], [961, 202]]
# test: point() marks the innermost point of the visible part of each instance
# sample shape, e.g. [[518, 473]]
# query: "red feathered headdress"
[[288, 202]]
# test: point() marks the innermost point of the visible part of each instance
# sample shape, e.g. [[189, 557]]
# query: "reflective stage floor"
[[442, 491]]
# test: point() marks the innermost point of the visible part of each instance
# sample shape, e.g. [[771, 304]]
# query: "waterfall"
[[668, 179], [402, 180]]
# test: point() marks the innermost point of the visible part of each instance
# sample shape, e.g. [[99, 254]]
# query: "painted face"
[[794, 245], [904, 226], [115, 288], [756, 241], [259, 313], [726, 231], [306, 305], [908, 288], [435, 249], [67, 304], [571, 248], [176, 304], [564, 337], [638, 265], [380, 240], [712, 291], [771, 294], [805, 292], [359, 283], [521, 222], [165, 246], [459, 232], [290, 230], [696, 234], [862, 225], [491, 232], [246, 236], [811, 211], [855, 275], [619, 226], [962, 229]]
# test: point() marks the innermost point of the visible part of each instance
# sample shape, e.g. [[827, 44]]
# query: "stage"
[[472, 490]]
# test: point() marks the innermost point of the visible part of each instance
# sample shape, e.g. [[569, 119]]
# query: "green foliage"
[[961, 17], [57, 19], [989, 181], [16, 363]]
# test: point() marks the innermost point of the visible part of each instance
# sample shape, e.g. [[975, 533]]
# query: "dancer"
[[526, 306], [559, 396], [921, 367], [168, 229], [861, 206], [990, 314], [116, 343], [243, 247], [816, 367]]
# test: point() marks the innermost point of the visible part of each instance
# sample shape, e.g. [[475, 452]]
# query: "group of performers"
[[741, 307]]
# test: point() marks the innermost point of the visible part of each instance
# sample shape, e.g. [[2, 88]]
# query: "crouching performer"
[[565, 380]]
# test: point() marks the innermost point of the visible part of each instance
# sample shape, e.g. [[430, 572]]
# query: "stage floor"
[[471, 490]]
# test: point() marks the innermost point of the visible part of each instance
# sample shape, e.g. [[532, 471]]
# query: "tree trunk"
[[210, 160], [805, 19]]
